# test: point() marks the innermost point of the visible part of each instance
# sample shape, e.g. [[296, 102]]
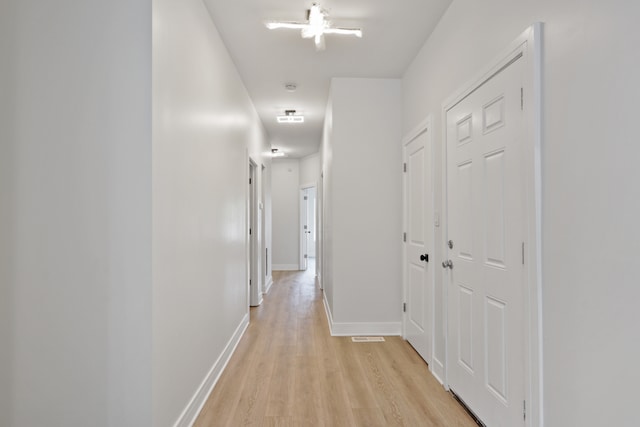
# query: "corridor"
[[289, 371]]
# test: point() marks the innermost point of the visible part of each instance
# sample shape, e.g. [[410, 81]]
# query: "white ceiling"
[[393, 32]]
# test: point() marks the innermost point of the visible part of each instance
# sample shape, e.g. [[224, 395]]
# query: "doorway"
[[255, 292], [308, 221], [419, 242], [490, 257]]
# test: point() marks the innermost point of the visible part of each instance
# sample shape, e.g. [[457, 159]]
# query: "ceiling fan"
[[316, 26]]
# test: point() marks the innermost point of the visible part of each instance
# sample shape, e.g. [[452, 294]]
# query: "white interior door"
[[486, 228], [304, 227], [255, 291], [419, 240], [311, 222]]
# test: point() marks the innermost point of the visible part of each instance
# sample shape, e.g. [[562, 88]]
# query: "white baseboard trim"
[[437, 369], [327, 311], [267, 287], [360, 328], [285, 267], [191, 412]]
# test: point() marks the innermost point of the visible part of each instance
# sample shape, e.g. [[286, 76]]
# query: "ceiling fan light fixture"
[[316, 27], [290, 116]]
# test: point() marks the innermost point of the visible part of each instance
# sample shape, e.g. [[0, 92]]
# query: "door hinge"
[[249, 231], [404, 237], [404, 307], [249, 282], [522, 253], [305, 197], [404, 167], [521, 98], [524, 410], [249, 181]]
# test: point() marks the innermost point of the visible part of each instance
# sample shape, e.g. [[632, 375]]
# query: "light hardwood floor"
[[289, 371]]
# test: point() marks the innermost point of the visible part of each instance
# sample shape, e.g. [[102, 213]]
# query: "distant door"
[[311, 222], [486, 228], [304, 227], [419, 240], [254, 258]]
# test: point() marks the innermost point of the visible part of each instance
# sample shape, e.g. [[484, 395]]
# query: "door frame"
[[301, 221], [253, 233], [528, 46], [423, 127]]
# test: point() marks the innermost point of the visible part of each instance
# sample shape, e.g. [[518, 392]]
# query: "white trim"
[[416, 131], [327, 312], [268, 285], [366, 328], [529, 45], [193, 408], [437, 369], [285, 267], [360, 328]]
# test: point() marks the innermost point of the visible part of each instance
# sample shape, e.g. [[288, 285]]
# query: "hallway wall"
[[363, 206], [590, 208], [204, 128], [122, 210], [75, 223], [6, 216]]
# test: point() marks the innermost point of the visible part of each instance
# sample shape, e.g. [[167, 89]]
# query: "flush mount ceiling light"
[[290, 117], [316, 26], [276, 153]]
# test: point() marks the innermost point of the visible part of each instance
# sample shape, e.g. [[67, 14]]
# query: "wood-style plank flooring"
[[289, 371]]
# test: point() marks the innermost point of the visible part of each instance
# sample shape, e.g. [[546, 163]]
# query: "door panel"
[[486, 223], [304, 227], [418, 272]]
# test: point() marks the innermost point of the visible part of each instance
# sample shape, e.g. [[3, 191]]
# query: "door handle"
[[447, 264], [424, 257]]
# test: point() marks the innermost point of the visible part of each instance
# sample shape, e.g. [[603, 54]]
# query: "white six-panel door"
[[486, 226], [419, 240]]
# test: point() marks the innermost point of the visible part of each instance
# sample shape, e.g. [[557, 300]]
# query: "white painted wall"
[[310, 169], [7, 100], [325, 199], [76, 213], [590, 200], [363, 201], [123, 209], [204, 127], [285, 196]]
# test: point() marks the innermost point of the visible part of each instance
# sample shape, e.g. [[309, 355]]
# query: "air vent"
[[367, 339]]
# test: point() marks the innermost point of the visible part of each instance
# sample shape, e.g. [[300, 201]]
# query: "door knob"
[[447, 264], [424, 257]]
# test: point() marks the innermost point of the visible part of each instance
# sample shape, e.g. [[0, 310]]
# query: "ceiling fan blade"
[[344, 31], [308, 32], [320, 42], [289, 25]]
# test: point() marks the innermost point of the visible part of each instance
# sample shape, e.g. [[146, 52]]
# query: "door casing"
[[528, 44]]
